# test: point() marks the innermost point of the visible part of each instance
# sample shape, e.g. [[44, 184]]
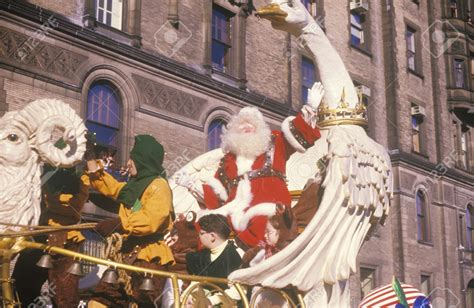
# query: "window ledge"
[[417, 74], [426, 243], [228, 79], [116, 34], [465, 170], [422, 155], [361, 50], [458, 88]]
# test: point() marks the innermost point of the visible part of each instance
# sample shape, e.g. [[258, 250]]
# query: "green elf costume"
[[145, 215]]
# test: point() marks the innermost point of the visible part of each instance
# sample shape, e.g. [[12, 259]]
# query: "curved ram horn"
[[41, 118]]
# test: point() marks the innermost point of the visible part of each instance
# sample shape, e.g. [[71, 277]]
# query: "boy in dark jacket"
[[219, 256]]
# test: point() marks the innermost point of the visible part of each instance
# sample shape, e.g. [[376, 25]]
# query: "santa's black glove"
[[109, 226]]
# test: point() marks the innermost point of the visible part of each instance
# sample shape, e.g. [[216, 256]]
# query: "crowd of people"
[[246, 214]]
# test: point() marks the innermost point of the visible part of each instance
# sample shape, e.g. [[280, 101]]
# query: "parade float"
[[346, 185]]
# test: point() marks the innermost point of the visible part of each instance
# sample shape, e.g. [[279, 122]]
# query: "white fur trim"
[[285, 128], [261, 209], [235, 208], [218, 188], [244, 164]]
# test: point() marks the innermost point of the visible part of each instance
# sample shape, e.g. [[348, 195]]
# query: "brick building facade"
[[178, 69]]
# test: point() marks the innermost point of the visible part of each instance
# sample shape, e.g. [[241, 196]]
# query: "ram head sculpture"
[[27, 140]]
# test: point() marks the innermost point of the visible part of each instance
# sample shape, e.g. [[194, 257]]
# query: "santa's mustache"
[[246, 144]]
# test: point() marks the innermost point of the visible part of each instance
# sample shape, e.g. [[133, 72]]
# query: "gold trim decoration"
[[199, 291], [174, 276], [282, 293], [343, 114], [10, 246], [295, 193]]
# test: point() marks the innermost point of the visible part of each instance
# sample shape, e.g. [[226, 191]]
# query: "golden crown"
[[343, 114]]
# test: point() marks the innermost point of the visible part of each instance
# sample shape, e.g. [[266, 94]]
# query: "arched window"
[[470, 227], [422, 216], [104, 115], [214, 134]]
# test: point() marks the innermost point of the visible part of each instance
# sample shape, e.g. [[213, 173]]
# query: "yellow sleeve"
[[105, 184], [155, 213]]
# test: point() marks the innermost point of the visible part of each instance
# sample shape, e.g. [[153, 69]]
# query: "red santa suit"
[[262, 181]]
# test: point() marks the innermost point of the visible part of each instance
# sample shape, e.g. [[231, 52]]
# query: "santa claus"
[[250, 182]]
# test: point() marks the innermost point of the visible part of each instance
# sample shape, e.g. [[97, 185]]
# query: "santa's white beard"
[[249, 145]]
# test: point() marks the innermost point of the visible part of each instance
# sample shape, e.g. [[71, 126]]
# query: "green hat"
[[147, 154]]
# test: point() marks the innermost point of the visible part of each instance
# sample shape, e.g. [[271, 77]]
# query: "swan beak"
[[272, 12]]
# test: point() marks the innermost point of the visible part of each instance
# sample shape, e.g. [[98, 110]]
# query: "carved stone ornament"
[[458, 47], [33, 52], [168, 98]]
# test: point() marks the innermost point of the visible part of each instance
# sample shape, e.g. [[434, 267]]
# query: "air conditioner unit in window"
[[359, 6], [364, 90], [418, 111]]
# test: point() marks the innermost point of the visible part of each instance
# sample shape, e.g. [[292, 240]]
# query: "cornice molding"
[[417, 162], [38, 15]]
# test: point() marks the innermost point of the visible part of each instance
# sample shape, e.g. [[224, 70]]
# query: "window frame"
[[411, 53], [464, 149], [425, 277], [422, 217], [211, 144], [130, 22], [418, 145], [373, 273], [469, 245], [471, 69], [305, 85], [459, 72], [361, 26], [454, 9], [366, 102], [311, 6], [95, 121], [235, 74], [110, 10], [416, 134], [461, 139], [227, 45]]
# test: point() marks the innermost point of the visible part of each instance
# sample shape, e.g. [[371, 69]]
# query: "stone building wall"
[[175, 97]]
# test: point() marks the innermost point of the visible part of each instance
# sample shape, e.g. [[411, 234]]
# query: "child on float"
[[280, 230], [218, 258]]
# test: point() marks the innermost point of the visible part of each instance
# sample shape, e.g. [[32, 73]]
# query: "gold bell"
[[45, 261], [76, 269], [147, 284], [110, 276]]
